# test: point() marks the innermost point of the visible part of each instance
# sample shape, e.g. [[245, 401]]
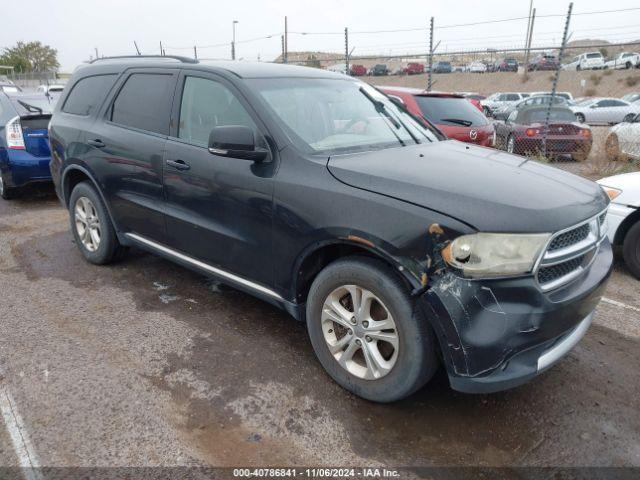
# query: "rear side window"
[[87, 94], [144, 102]]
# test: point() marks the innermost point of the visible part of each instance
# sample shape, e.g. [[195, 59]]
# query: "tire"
[[580, 117], [578, 68], [106, 247], [628, 117], [486, 111], [631, 250], [627, 65], [412, 363], [5, 192]]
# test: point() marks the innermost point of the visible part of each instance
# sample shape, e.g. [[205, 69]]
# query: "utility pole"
[[284, 60], [526, 37], [286, 41], [161, 49], [430, 76], [233, 42], [554, 87], [136, 45], [195, 52], [528, 45], [346, 50], [97, 53]]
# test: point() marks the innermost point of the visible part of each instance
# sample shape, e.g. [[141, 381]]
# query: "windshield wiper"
[[380, 108], [459, 121], [31, 108]]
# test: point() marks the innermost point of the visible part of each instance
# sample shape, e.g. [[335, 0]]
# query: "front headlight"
[[495, 254]]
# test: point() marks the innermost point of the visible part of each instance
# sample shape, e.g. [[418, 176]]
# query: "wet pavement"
[[144, 363]]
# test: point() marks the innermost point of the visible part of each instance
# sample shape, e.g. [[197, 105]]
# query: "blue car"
[[24, 140]]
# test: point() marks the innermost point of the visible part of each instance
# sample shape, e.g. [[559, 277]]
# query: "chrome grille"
[[570, 238], [570, 252]]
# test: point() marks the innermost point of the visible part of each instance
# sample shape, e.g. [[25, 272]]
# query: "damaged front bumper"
[[498, 334]]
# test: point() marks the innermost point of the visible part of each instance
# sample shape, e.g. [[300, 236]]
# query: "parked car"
[[586, 61], [24, 146], [499, 99], [338, 68], [474, 98], [50, 89], [624, 60], [623, 217], [414, 68], [357, 70], [605, 110], [442, 67], [623, 141], [380, 69], [631, 97], [524, 131], [7, 87], [477, 67], [317, 193], [502, 113], [506, 65], [452, 114], [566, 95], [543, 62]]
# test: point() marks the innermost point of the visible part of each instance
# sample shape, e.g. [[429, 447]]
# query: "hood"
[[489, 190]]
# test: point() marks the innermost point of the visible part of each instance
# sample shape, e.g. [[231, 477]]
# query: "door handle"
[[178, 164], [96, 143]]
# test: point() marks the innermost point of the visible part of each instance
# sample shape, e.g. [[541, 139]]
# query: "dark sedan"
[[524, 132], [544, 62]]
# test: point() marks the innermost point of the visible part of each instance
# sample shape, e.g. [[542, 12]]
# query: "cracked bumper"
[[498, 334]]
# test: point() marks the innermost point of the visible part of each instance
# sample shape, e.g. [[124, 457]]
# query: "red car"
[[414, 68], [524, 130], [453, 114], [358, 70]]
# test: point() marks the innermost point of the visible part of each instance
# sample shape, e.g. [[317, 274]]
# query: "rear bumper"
[[555, 145], [20, 168], [498, 334]]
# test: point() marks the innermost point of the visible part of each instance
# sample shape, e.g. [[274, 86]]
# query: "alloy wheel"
[[87, 224], [360, 332]]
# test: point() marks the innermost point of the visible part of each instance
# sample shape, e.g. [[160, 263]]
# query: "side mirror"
[[235, 141]]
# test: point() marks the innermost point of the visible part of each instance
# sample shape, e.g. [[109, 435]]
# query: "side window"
[[144, 102], [512, 116], [502, 97], [207, 104], [616, 103], [87, 94], [602, 103], [512, 97]]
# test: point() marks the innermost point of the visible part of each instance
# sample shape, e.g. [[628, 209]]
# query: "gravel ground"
[[144, 363]]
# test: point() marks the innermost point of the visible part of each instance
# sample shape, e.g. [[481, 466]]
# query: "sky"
[[77, 27]]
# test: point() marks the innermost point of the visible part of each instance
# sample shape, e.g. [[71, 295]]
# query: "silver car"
[[605, 110]]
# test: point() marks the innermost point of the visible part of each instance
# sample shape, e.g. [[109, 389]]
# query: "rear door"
[[128, 143], [219, 209]]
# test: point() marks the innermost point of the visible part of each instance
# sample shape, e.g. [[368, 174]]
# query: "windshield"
[[555, 115], [450, 111], [594, 55], [631, 97], [339, 116], [33, 105]]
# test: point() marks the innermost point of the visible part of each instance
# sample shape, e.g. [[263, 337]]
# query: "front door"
[[219, 209]]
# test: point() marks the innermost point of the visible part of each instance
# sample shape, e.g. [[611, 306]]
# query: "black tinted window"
[[145, 102], [451, 111], [88, 94]]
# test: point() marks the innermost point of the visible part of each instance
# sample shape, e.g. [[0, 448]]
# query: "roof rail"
[[174, 57]]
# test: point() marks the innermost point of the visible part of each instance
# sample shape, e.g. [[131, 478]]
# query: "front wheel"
[[631, 250], [366, 333]]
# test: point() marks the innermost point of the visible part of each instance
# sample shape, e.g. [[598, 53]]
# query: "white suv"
[[586, 61], [624, 60]]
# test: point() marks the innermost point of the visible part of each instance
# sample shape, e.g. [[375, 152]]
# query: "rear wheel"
[[628, 65], [91, 225], [5, 192], [580, 117], [612, 148], [631, 250], [366, 333]]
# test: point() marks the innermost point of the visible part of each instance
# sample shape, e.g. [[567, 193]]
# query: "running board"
[[204, 266]]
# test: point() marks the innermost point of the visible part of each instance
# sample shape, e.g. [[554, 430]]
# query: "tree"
[[30, 57]]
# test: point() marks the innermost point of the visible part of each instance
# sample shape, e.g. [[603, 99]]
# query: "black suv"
[[378, 70], [313, 191]]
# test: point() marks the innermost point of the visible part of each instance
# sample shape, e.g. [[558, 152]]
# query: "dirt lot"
[[144, 363]]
